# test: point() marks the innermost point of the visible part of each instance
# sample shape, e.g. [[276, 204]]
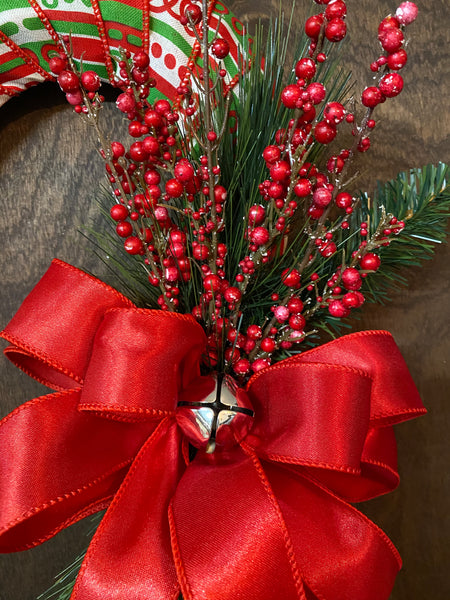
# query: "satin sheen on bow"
[[268, 518]]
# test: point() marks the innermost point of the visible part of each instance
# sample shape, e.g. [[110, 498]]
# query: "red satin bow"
[[267, 519]]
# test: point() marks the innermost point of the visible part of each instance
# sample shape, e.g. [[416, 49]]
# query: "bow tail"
[[341, 553], [132, 544], [229, 537], [57, 466]]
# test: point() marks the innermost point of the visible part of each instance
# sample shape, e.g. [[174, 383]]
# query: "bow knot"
[[305, 437]]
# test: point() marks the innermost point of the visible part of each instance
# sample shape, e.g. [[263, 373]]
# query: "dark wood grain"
[[48, 170]]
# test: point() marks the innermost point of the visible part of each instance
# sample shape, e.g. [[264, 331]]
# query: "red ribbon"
[[268, 518]]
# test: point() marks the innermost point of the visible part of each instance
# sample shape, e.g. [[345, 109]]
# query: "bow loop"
[[141, 362], [53, 330]]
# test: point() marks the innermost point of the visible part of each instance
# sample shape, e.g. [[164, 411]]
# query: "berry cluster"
[[170, 201]]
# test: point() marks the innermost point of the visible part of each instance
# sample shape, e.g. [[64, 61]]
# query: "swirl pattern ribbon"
[[266, 518]]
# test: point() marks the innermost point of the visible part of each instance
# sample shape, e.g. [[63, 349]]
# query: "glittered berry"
[[371, 96], [305, 69], [370, 262], [391, 84], [303, 188], [335, 30], [57, 64], [220, 48], [313, 26], [259, 364], [256, 214], [290, 95], [174, 188], [397, 60], [334, 113], [125, 103], [324, 132], [406, 13], [291, 278], [212, 283], [351, 279], [133, 245], [259, 236], [353, 299], [90, 81], [280, 170], [241, 366], [68, 81], [184, 171], [295, 305], [297, 322], [268, 344], [335, 10], [392, 39], [316, 92], [141, 59], [344, 200], [74, 98], [124, 229], [322, 197], [232, 295], [337, 309], [194, 13], [271, 154], [162, 107], [119, 212]]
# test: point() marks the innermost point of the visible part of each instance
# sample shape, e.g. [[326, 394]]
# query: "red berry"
[[268, 345], [313, 26], [371, 96], [152, 118], [259, 364], [137, 152], [406, 13], [220, 48], [334, 112], [370, 262], [259, 236], [184, 171], [68, 81], [90, 81], [305, 69], [162, 107], [291, 278], [74, 98], [303, 188], [57, 64], [386, 24], [297, 322], [119, 212], [316, 92], [124, 229], [295, 305], [392, 39], [212, 283], [391, 84], [118, 150], [335, 30], [174, 188], [200, 252], [256, 214], [271, 154], [151, 146], [254, 332], [194, 12], [352, 299], [291, 95], [335, 10], [337, 309], [141, 59], [280, 170], [351, 278], [133, 245], [125, 103], [324, 132], [344, 200], [322, 197], [397, 60], [232, 295]]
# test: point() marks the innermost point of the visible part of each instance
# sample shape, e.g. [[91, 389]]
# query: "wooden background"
[[48, 172]]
